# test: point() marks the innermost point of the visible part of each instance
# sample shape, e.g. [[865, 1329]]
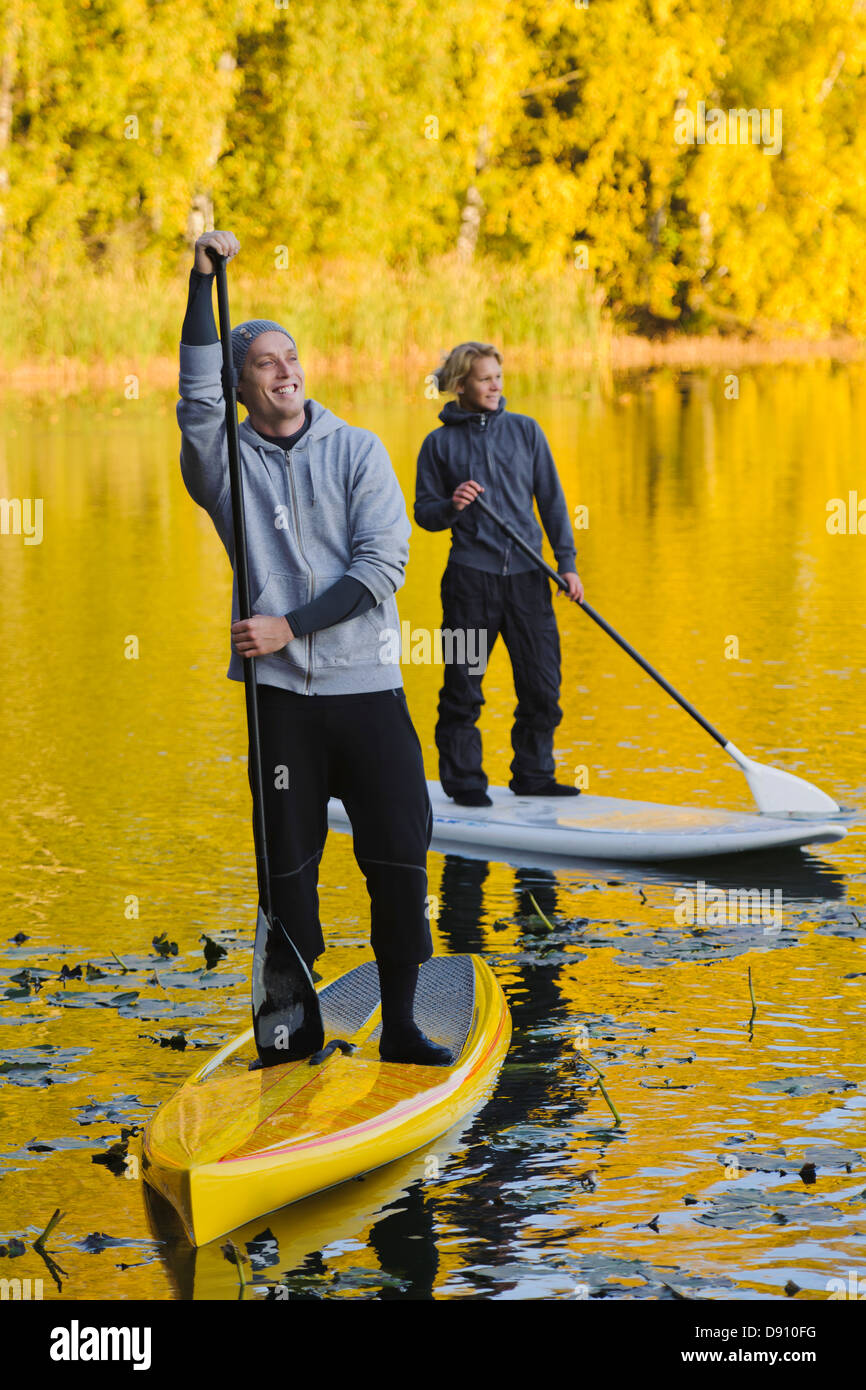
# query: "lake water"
[[124, 790]]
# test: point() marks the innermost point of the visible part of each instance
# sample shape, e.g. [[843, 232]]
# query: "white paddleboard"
[[604, 828]]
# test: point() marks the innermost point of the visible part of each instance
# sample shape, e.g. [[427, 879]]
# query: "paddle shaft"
[[229, 382], [602, 622]]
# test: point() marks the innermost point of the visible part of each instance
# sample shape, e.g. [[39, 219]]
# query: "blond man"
[[488, 584]]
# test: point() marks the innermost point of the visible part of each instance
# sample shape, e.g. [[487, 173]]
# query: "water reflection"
[[125, 782], [404, 1239]]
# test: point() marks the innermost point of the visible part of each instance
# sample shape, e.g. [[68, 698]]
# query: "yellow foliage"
[[383, 135]]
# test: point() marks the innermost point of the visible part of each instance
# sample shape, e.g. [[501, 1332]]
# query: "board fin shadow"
[[287, 1017]]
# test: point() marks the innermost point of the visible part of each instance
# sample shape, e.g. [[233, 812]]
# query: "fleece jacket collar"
[[322, 422], [453, 414]]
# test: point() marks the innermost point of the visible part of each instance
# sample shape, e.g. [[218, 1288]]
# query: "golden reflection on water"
[[124, 790]]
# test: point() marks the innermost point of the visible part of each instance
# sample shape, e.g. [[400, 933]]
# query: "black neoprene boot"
[[550, 788], [472, 799], [402, 1039]]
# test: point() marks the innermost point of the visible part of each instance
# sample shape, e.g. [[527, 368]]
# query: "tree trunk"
[[200, 216], [473, 205]]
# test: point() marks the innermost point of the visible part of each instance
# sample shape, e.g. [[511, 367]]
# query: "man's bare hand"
[[465, 493], [575, 588], [260, 635], [225, 242]]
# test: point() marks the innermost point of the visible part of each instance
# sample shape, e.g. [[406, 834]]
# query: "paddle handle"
[[229, 382], [542, 564]]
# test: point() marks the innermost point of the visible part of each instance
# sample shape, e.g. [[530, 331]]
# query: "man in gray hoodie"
[[327, 541]]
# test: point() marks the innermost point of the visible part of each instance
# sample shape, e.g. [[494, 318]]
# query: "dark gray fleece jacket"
[[509, 455]]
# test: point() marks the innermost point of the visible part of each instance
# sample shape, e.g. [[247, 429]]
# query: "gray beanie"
[[244, 335]]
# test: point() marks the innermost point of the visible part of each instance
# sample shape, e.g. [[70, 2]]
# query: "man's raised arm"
[[201, 408]]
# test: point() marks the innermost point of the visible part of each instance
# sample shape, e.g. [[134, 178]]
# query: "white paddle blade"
[[781, 793]]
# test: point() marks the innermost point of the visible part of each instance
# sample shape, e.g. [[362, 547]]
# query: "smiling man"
[[327, 543]]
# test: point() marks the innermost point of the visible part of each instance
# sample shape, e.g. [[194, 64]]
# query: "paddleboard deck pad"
[[604, 828], [233, 1144]]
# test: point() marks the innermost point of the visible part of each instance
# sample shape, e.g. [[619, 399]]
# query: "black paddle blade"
[[287, 1019]]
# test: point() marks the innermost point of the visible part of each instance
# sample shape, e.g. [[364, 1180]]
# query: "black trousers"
[[364, 750], [518, 606]]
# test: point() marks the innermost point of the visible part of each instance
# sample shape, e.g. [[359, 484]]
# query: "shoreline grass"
[[623, 355], [352, 319]]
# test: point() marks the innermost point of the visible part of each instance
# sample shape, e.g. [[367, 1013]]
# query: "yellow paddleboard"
[[350, 1213], [233, 1144]]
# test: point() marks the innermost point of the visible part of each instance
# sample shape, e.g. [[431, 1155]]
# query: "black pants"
[[518, 606], [364, 750]]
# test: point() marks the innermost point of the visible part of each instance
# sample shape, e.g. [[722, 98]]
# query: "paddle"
[[287, 1019], [775, 792]]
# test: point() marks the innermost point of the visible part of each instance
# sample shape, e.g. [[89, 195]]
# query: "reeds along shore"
[[359, 308], [356, 318]]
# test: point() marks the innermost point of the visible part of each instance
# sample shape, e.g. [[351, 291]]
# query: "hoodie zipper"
[[506, 560], [308, 640]]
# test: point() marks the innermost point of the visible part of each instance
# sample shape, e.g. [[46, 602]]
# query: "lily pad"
[[126, 963], [806, 1085], [64, 1142], [98, 1241], [526, 1195], [540, 957], [749, 1207], [153, 1010], [16, 1020], [845, 926], [44, 951], [93, 999], [778, 1161], [114, 1111], [38, 1149], [199, 979], [601, 1276], [31, 975], [665, 1085], [177, 1041], [528, 1136], [43, 1065], [369, 1279]]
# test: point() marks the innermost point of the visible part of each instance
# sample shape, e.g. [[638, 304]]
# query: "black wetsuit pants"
[[363, 749], [519, 606]]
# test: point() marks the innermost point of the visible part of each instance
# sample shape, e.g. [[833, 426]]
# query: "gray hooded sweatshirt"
[[330, 506]]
